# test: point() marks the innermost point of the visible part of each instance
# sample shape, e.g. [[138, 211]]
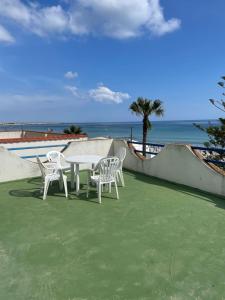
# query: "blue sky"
[[87, 60]]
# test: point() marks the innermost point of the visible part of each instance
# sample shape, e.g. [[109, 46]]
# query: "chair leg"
[[110, 187], [88, 185], [117, 194], [61, 180], [122, 178], [117, 176], [99, 192], [46, 185], [65, 185]]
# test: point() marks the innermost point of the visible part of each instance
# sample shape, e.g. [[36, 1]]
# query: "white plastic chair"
[[50, 174], [58, 158], [121, 154], [106, 168]]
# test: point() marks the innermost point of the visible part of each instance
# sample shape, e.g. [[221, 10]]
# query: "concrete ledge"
[[12, 167], [102, 147]]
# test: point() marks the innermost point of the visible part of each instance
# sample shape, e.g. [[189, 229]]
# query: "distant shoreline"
[[118, 122]]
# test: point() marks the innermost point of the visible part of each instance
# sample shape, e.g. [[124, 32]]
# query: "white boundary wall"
[[102, 147], [40, 148], [176, 163], [10, 134], [12, 167]]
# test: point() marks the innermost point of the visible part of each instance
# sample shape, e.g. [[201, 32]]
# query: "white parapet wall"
[[10, 134], [30, 149], [178, 164], [100, 146], [12, 167]]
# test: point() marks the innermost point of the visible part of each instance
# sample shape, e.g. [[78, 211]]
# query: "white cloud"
[[157, 23], [113, 18], [104, 94], [5, 36], [15, 10], [72, 89], [35, 18], [71, 75], [120, 18], [49, 20]]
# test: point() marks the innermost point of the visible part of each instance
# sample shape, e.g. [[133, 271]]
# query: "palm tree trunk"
[[145, 131]]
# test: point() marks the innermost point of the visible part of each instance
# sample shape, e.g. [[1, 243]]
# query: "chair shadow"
[[93, 196], [37, 192], [26, 193], [35, 181]]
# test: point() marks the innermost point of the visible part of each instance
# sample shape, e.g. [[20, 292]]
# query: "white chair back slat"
[[55, 157], [107, 168], [121, 154], [42, 168]]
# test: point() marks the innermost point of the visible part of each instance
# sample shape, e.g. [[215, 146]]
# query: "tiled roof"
[[42, 138]]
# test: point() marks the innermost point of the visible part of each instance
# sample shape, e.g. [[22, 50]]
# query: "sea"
[[162, 132]]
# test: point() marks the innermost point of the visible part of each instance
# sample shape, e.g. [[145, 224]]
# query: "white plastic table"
[[76, 160]]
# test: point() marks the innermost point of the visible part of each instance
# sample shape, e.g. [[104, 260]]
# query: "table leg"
[[72, 176], [77, 179]]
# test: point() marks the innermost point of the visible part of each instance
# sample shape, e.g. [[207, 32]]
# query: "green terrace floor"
[[159, 241]]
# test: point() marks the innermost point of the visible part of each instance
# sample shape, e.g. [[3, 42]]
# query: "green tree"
[[73, 130], [216, 133], [144, 108], [220, 104]]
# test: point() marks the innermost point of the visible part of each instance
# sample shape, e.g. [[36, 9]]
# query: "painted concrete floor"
[[159, 241]]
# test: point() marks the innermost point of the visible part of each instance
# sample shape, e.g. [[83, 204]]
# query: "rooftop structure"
[[161, 240]]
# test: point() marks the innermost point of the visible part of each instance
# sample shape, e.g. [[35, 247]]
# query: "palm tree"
[[144, 107], [73, 130]]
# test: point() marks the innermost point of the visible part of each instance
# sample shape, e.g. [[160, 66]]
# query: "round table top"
[[82, 159]]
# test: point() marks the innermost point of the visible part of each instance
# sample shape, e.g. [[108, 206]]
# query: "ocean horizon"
[[179, 131]]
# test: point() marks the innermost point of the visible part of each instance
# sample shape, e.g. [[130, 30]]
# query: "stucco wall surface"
[[176, 163]]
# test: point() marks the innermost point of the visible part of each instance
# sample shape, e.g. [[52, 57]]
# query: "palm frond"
[[136, 109], [146, 107]]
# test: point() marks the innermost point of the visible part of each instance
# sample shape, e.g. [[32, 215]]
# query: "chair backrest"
[[107, 168], [121, 154], [50, 171], [42, 167], [55, 157]]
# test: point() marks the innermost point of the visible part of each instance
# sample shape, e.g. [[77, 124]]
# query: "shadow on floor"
[[23, 193], [37, 192], [218, 201]]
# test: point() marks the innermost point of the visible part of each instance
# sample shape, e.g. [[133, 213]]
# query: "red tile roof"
[[42, 138]]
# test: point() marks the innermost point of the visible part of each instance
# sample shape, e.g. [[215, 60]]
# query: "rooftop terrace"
[[159, 241]]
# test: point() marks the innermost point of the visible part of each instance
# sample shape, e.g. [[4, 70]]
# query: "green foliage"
[[216, 134], [220, 104], [143, 108], [73, 130]]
